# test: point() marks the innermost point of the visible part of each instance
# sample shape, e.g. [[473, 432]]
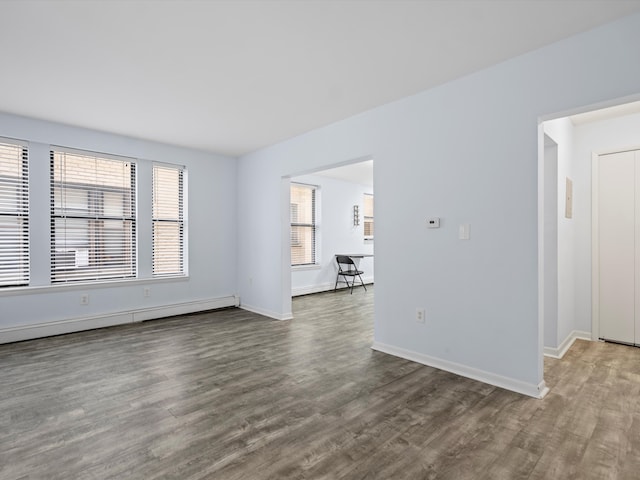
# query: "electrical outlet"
[[421, 315], [84, 299], [147, 291]]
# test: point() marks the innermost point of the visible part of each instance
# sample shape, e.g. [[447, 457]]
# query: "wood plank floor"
[[232, 395]]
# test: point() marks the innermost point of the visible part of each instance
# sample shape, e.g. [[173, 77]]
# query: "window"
[[168, 220], [368, 216], [303, 224], [93, 224], [14, 220]]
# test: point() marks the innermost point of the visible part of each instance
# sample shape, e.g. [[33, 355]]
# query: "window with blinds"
[[93, 223], [368, 216], [303, 224], [14, 209], [168, 220]]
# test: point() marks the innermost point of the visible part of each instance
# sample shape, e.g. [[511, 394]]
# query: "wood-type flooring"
[[232, 395]]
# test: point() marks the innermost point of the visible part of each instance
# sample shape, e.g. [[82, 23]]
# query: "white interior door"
[[617, 251]]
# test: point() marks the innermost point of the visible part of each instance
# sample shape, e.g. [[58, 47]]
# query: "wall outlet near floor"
[[147, 292], [84, 299], [421, 315]]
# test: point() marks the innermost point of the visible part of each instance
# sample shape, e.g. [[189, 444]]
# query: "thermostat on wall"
[[433, 222]]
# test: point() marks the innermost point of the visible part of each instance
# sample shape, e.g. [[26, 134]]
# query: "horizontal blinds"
[[368, 215], [14, 221], [168, 220], [303, 224], [93, 224]]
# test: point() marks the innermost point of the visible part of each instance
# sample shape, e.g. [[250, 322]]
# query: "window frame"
[[101, 242], [313, 225], [180, 220], [367, 218], [20, 251]]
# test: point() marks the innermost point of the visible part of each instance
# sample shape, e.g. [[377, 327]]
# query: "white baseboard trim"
[[47, 329], [518, 386], [308, 289], [323, 287], [566, 344], [267, 313]]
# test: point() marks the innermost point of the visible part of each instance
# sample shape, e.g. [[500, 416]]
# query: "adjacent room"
[[588, 209], [339, 209], [187, 187]]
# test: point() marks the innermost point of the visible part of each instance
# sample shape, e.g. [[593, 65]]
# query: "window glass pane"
[[368, 205], [302, 245], [93, 223], [113, 204], [14, 221], [303, 224], [368, 228], [168, 221], [368, 216], [14, 266], [71, 201], [167, 248]]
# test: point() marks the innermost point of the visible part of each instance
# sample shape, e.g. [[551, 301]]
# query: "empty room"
[[181, 182]]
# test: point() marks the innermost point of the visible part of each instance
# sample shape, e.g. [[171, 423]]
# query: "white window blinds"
[[168, 220], [303, 224], [93, 224], [368, 216], [14, 221]]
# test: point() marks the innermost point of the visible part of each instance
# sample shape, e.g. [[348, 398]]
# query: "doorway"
[[343, 222], [578, 137]]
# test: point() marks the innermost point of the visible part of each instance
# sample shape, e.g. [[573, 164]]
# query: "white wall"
[[466, 151], [43, 309], [550, 271], [561, 131], [599, 137], [336, 233]]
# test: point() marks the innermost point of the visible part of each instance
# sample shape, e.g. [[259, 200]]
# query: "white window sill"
[[297, 268], [70, 286]]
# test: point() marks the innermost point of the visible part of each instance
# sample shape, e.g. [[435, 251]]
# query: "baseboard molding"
[[518, 386], [267, 313], [47, 329], [566, 344], [309, 289], [323, 287]]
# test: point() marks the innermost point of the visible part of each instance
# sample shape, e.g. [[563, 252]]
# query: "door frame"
[[595, 248], [285, 221]]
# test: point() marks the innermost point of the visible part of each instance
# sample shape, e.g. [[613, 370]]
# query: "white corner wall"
[[467, 152], [42, 309], [561, 131], [597, 137], [336, 234]]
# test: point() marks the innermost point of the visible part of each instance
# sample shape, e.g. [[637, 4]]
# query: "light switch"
[[463, 231]]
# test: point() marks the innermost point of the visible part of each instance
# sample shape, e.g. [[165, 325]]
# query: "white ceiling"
[[361, 173], [235, 76]]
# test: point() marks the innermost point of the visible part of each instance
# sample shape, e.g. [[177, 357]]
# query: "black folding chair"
[[347, 268]]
